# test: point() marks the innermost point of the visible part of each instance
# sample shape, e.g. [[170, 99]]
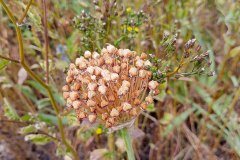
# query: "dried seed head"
[[152, 85]]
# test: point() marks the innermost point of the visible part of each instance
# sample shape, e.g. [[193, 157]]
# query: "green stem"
[[128, 142]]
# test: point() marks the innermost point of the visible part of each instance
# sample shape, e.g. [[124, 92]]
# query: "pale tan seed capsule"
[[149, 99], [152, 85], [108, 124], [126, 83], [103, 103], [69, 102], [136, 93], [142, 73], [90, 69], [93, 77], [84, 95], [92, 86], [66, 95], [114, 76], [72, 66], [127, 53], [76, 86], [104, 51], [147, 63], [102, 89], [126, 106], [92, 118], [143, 56], [106, 75], [104, 116], [120, 52], [76, 104], [111, 49], [73, 96], [116, 69], [91, 94], [91, 103], [122, 90], [95, 55], [82, 65], [69, 79], [79, 61], [108, 60], [139, 63], [133, 71], [86, 80], [65, 88], [97, 71], [100, 61], [123, 66], [87, 54], [114, 112]]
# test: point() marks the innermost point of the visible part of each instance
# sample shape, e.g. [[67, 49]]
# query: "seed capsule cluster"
[[111, 87]]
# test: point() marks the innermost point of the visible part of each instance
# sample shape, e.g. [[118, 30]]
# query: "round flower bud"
[[126, 106], [102, 89], [92, 117], [76, 104], [76, 86], [104, 51], [66, 95], [82, 65], [133, 71], [152, 85], [69, 79], [97, 71], [114, 112], [87, 54], [108, 60], [93, 77], [122, 90], [111, 49], [106, 75], [127, 53]]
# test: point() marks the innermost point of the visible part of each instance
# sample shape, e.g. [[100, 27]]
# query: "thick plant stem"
[[128, 142], [36, 78]]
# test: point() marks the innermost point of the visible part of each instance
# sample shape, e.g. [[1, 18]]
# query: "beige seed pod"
[[104, 51], [143, 56], [76, 86], [84, 95], [97, 71], [111, 98], [133, 71], [102, 89], [149, 99], [87, 54], [72, 66], [91, 103], [133, 112], [103, 103], [126, 83], [144, 106], [108, 60], [114, 112], [93, 77], [114, 76], [152, 85], [147, 63], [111, 49], [111, 120], [76, 104], [79, 61], [66, 95], [69, 79], [80, 114], [73, 96], [95, 55], [92, 86], [142, 73], [90, 69], [136, 102], [108, 124], [100, 61], [126, 106], [82, 65], [139, 63], [122, 90], [92, 118], [91, 94], [65, 88], [116, 68]]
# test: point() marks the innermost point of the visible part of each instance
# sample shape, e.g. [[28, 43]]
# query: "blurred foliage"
[[195, 116]]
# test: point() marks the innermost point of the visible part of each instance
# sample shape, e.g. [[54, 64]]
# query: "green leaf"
[[72, 118], [28, 129], [3, 63], [38, 87], [27, 91], [9, 111], [38, 139], [48, 118], [43, 103]]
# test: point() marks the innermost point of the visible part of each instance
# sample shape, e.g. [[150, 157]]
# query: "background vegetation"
[[195, 116]]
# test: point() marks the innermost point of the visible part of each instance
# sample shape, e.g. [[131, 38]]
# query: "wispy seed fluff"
[[111, 87]]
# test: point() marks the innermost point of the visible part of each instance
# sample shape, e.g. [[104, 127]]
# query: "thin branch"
[[25, 12], [44, 5], [9, 59]]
